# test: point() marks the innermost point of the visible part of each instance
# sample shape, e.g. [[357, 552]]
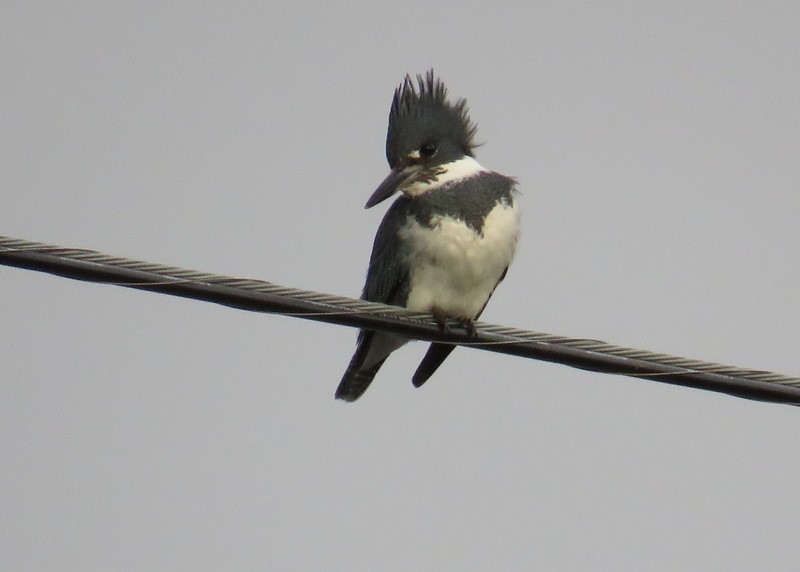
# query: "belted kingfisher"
[[447, 241]]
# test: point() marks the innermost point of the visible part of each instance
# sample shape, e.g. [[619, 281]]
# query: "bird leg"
[[441, 321], [469, 325]]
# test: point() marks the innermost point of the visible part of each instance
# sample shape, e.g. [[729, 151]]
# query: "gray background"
[[657, 152]]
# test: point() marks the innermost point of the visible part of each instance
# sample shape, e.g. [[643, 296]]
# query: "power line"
[[260, 296]]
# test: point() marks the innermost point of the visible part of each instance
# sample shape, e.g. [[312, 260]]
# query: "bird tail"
[[356, 379], [437, 353]]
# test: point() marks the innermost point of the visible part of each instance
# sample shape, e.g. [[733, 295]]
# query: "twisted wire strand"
[[262, 296]]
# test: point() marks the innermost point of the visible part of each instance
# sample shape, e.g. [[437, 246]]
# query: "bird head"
[[426, 131]]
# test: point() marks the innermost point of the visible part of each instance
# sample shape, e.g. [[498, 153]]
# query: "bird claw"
[[469, 325], [442, 321]]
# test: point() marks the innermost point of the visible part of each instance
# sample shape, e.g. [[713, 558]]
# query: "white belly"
[[453, 269]]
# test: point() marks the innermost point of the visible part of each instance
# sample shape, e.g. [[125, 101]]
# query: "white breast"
[[453, 269]]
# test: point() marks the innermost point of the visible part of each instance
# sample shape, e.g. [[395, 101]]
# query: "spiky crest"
[[418, 109]]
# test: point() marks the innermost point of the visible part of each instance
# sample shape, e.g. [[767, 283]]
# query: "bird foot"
[[442, 321], [469, 325]]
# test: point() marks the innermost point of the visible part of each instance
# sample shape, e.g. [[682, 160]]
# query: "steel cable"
[[261, 296]]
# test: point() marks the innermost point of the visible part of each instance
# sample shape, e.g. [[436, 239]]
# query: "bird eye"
[[428, 150]]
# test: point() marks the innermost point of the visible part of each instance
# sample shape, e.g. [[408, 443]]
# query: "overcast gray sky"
[[657, 151]]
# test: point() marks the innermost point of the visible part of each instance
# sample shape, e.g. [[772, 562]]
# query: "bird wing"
[[387, 276], [387, 282]]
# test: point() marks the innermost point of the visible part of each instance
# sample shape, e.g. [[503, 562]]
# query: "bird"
[[448, 239]]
